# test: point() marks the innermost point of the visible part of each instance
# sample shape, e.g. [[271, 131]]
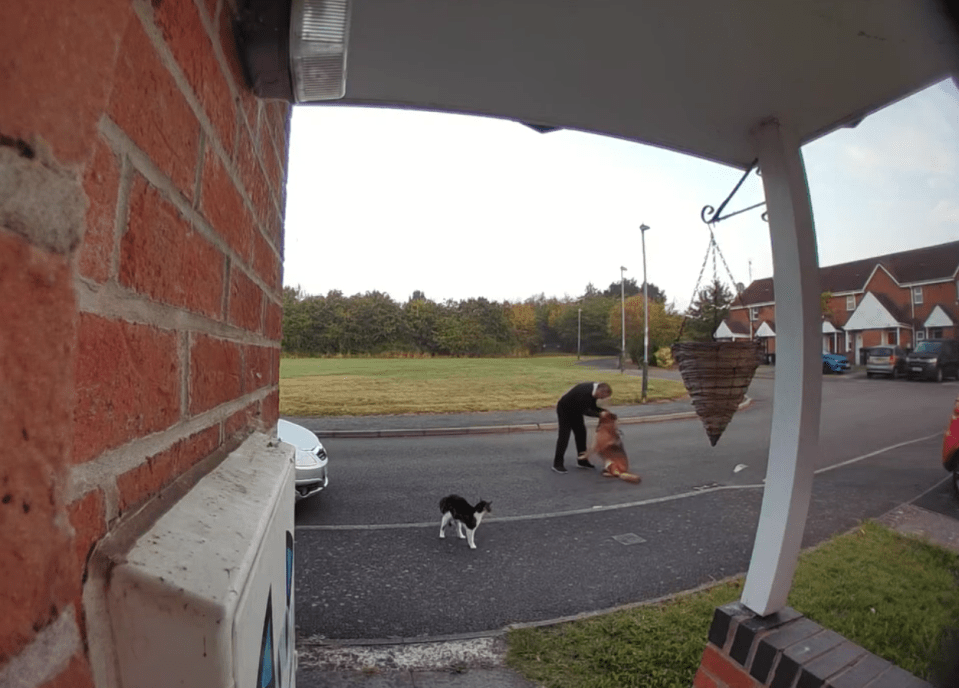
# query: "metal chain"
[[702, 269], [714, 248], [730, 273]]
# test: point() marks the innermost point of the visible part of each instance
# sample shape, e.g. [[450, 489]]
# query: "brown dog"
[[609, 446]]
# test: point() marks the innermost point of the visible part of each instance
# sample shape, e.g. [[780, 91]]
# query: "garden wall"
[[787, 650]]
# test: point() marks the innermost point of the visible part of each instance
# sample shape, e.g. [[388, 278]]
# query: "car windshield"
[[928, 348], [881, 351]]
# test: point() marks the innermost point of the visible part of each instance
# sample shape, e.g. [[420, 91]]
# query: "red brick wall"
[[141, 214]]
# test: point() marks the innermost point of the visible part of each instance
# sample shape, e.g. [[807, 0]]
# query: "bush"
[[661, 357], [664, 357]]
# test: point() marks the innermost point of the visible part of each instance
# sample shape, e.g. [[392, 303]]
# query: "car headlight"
[[305, 459]]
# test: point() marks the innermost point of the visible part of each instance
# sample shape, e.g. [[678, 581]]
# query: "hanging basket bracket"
[[711, 215]]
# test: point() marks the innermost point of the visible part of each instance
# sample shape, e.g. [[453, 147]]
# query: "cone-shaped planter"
[[716, 375]]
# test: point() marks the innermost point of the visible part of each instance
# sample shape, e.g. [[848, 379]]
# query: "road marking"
[[875, 453], [537, 517], [695, 492]]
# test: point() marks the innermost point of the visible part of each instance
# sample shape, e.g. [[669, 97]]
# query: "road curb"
[[498, 429]]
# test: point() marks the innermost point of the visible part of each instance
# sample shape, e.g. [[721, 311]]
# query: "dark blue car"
[[834, 363]]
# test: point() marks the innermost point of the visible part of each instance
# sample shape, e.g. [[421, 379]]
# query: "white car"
[[311, 458]]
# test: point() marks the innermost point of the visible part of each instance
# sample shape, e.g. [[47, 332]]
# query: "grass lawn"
[[368, 386], [893, 595]]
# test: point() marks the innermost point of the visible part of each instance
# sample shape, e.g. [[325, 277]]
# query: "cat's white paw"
[[472, 546], [442, 535]]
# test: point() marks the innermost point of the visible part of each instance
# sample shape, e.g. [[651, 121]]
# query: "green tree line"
[[374, 324]]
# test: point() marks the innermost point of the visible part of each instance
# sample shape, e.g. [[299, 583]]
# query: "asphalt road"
[[370, 564]]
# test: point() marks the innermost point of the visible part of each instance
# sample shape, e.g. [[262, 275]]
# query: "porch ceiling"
[[693, 76]]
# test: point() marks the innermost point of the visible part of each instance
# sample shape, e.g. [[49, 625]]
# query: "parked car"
[[950, 448], [311, 459], [834, 363], [934, 359], [886, 360]]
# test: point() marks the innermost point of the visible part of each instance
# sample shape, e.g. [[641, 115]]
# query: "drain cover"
[[628, 539]]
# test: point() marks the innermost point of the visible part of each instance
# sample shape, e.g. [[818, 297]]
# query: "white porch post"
[[794, 438]]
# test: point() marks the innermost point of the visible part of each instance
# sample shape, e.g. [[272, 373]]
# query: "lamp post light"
[[622, 295], [642, 229], [579, 331]]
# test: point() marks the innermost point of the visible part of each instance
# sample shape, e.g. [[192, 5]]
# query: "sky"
[[458, 207]]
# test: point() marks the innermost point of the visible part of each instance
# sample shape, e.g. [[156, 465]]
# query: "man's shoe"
[[584, 463], [560, 469]]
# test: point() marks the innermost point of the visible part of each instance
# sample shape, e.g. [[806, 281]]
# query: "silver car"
[[311, 458], [886, 360]]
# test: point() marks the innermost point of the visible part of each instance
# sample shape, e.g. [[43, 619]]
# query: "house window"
[[917, 295], [850, 303], [935, 333], [920, 335], [754, 313]]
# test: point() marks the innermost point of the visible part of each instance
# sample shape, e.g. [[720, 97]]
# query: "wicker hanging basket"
[[716, 375]]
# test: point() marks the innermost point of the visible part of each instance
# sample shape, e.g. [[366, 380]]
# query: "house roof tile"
[[939, 262]]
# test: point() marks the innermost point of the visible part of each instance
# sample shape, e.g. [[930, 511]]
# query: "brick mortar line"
[[198, 172], [47, 655], [141, 162], [118, 303], [184, 345], [106, 468], [210, 26], [144, 12], [227, 283], [122, 212]]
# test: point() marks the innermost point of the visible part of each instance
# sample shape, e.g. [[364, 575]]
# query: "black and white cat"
[[464, 514]]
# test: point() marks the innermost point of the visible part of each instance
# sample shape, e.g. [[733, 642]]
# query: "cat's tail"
[[630, 478]]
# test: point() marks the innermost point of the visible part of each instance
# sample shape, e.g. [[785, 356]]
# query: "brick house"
[[899, 298]]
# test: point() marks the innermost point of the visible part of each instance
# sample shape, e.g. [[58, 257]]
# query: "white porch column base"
[[794, 438]]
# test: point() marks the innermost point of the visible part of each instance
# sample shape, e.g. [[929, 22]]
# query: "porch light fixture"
[[294, 50]]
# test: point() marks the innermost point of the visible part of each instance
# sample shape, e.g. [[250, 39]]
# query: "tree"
[[655, 293], [664, 324], [708, 310], [422, 320], [523, 322], [631, 288], [824, 303], [595, 338], [375, 324]]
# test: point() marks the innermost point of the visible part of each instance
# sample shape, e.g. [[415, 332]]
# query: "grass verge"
[[370, 386], [893, 595]]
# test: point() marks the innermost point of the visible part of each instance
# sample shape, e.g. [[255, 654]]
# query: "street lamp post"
[[579, 331], [622, 294], [642, 229]]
